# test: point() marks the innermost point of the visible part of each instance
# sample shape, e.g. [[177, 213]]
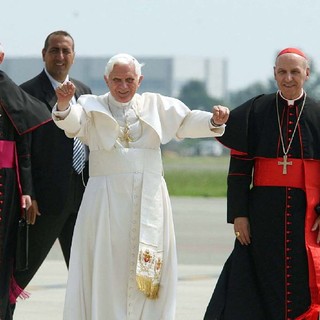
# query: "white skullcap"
[[123, 58]]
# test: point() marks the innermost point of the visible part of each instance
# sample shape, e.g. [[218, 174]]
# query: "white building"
[[211, 71]]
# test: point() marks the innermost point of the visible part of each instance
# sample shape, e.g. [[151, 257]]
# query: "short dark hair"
[[58, 33]]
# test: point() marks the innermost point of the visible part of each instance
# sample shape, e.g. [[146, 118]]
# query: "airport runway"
[[204, 241]]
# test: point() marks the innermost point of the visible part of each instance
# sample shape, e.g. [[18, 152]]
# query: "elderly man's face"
[[291, 71], [123, 82]]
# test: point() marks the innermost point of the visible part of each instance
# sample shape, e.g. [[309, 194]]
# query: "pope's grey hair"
[[1, 48], [122, 58]]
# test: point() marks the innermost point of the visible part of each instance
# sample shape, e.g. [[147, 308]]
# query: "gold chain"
[[126, 136], [285, 162], [285, 152]]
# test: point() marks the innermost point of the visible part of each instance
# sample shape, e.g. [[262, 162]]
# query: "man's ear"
[[140, 79], [106, 80], [308, 71], [1, 57]]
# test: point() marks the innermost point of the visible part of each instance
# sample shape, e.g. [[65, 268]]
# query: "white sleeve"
[[59, 115], [196, 124], [69, 120]]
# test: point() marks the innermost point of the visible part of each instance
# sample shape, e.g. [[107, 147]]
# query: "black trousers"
[[49, 228]]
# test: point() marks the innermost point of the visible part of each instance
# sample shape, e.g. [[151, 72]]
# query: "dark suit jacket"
[[51, 150]]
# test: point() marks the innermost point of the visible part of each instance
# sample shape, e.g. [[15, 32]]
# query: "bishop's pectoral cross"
[[284, 164]]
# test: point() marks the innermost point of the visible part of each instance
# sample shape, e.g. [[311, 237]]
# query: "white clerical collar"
[[118, 104], [291, 102], [53, 81]]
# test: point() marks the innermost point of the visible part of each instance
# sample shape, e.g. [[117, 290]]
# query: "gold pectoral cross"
[[284, 164], [126, 135]]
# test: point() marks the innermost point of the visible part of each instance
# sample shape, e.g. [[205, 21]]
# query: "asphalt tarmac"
[[204, 241]]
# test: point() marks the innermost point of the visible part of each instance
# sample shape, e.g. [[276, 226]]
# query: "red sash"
[[9, 159], [303, 174], [7, 154]]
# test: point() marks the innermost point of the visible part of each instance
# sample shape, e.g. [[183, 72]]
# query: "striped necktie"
[[78, 162]]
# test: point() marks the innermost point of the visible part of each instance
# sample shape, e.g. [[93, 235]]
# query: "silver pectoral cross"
[[284, 164]]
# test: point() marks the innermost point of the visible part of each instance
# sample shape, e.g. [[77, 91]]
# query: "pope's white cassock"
[[123, 261]]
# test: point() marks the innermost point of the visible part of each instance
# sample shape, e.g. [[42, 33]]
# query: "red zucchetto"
[[292, 50]]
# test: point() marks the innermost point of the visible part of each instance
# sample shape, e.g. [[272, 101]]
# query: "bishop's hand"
[[64, 93], [242, 230]]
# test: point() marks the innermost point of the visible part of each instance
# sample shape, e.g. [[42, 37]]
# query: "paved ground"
[[204, 240]]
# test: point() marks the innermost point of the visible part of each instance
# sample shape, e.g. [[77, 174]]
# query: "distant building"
[[211, 71], [163, 75]]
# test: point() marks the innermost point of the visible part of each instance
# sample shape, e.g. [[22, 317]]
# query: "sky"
[[247, 33]]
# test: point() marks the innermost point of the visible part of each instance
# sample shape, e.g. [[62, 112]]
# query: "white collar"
[[53, 81], [291, 102], [115, 103]]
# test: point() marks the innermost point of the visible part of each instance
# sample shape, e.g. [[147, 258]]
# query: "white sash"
[[149, 163]]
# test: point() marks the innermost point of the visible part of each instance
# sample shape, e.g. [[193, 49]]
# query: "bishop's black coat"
[[267, 280], [19, 114]]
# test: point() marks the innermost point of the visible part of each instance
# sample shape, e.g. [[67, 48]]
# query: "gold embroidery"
[[148, 273]]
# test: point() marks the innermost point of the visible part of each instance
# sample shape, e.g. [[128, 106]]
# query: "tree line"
[[194, 93]]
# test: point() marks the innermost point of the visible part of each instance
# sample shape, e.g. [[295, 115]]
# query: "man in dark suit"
[[57, 187]]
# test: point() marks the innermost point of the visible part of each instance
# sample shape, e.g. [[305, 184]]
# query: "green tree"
[[236, 98], [312, 87], [195, 96], [313, 84]]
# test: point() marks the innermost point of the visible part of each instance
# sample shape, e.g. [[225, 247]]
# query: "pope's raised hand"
[[220, 115], [64, 93]]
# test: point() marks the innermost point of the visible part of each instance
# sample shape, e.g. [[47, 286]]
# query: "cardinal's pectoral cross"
[[284, 164]]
